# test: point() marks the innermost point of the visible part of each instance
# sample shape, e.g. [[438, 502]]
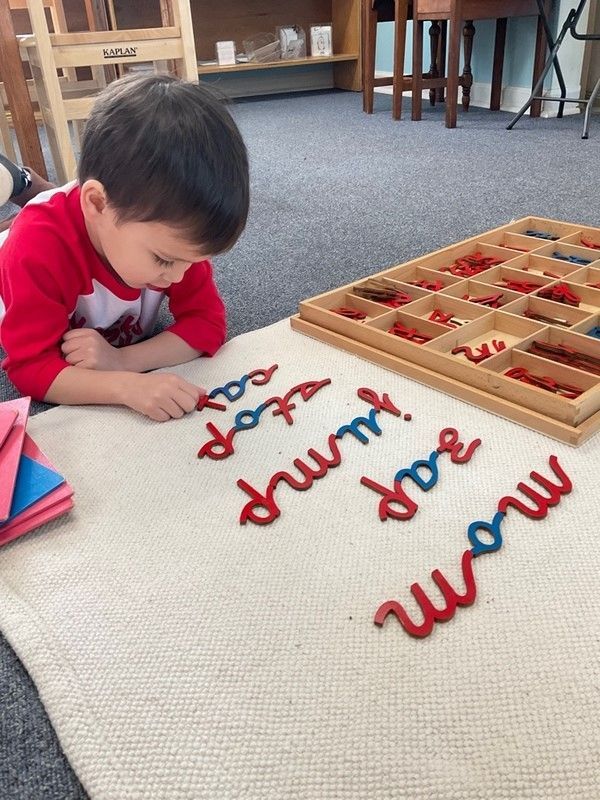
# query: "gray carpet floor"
[[336, 195]]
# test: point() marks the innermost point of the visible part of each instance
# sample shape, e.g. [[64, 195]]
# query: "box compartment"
[[589, 299], [587, 345], [586, 276], [445, 260], [554, 250], [414, 275], [590, 235], [564, 316], [460, 310], [570, 411], [553, 268], [473, 288], [552, 226], [496, 326], [369, 285], [503, 277]]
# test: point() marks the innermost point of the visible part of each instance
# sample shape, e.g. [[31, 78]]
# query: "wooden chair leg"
[[55, 122], [5, 137], [498, 67], [434, 40], [400, 16], [417, 73], [369, 43], [181, 16], [467, 76], [442, 50], [453, 65]]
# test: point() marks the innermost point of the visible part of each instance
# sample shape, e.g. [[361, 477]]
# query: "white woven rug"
[[182, 655]]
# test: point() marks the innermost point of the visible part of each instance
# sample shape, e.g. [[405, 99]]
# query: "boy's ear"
[[92, 198]]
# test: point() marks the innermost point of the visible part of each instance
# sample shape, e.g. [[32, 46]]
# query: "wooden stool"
[[375, 11], [398, 12]]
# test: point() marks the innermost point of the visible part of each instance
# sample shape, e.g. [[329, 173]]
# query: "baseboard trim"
[[512, 98]]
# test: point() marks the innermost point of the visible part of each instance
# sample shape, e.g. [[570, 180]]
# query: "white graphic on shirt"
[[121, 322]]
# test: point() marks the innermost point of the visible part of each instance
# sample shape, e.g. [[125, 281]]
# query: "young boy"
[[163, 185]]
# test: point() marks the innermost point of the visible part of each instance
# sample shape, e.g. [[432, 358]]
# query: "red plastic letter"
[[431, 614]]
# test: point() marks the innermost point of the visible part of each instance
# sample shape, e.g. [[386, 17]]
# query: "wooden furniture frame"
[[57, 16], [49, 52], [19, 102], [6, 143], [525, 258], [69, 78], [457, 12], [371, 16], [399, 81]]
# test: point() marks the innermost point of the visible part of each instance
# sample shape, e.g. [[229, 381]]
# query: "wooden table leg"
[[434, 48], [369, 40], [417, 73], [442, 47], [19, 102], [467, 76], [400, 16], [498, 67], [453, 63]]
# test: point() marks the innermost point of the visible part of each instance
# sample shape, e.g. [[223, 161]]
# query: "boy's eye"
[[162, 261]]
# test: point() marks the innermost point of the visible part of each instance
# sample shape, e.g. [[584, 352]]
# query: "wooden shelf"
[[209, 69], [242, 19]]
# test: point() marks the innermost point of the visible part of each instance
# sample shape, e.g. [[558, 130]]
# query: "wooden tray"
[[525, 259]]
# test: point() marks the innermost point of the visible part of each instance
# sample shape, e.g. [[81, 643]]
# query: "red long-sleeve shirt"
[[52, 279]]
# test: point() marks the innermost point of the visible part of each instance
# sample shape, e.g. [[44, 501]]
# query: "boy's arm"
[[88, 349], [166, 349], [159, 396], [198, 310]]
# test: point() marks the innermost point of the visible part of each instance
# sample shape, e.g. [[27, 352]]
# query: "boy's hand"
[[88, 349], [160, 396]]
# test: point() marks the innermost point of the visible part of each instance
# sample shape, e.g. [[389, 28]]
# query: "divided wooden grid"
[[525, 259]]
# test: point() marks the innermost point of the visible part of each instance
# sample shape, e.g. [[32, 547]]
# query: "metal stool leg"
[[588, 109]]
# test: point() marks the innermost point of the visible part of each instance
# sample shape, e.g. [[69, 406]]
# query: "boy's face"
[[141, 253]]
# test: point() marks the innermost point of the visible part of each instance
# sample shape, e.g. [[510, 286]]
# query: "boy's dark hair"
[[168, 150]]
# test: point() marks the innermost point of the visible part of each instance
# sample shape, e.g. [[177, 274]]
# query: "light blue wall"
[[518, 59]]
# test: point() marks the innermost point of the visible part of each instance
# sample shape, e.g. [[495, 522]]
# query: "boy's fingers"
[[186, 401], [172, 408], [75, 360], [69, 347], [157, 414], [76, 332], [194, 391]]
